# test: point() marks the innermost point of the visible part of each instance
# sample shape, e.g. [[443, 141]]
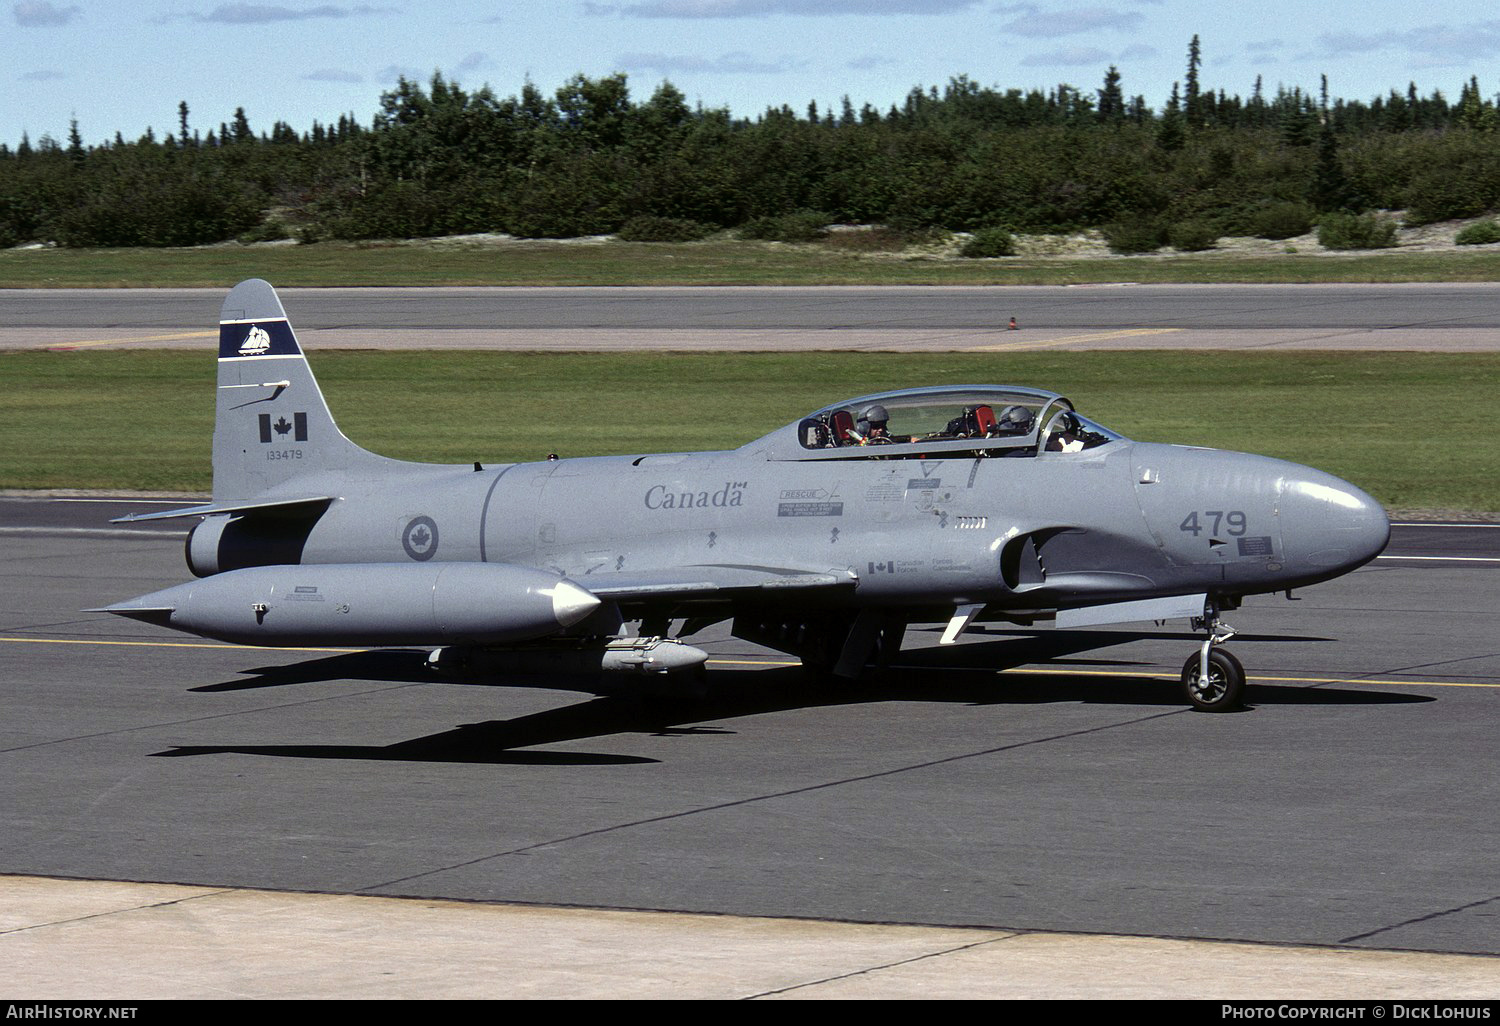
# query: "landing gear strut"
[[1213, 680]]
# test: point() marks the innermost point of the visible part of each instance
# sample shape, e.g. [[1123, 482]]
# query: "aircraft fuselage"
[[1127, 520]]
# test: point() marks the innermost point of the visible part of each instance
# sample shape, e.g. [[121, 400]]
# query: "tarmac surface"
[[1439, 317], [1030, 814], [1024, 815]]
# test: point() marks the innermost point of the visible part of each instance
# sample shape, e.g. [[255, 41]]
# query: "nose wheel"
[[1213, 679]]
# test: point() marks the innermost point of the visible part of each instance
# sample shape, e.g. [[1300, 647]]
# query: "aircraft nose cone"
[[1328, 525]]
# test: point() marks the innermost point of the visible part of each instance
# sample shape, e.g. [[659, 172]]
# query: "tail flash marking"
[[257, 340], [256, 343]]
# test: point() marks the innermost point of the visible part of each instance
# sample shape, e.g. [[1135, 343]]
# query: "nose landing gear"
[[1213, 680]]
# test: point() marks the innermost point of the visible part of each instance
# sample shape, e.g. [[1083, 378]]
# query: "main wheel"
[[1225, 688]]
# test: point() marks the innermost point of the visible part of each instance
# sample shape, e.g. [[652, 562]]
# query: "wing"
[[715, 582]]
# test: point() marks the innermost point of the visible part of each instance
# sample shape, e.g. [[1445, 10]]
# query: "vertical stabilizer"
[[271, 423]]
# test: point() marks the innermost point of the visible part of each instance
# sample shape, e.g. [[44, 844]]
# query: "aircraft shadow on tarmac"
[[965, 674]]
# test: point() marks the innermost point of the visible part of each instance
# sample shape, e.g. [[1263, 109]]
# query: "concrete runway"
[[1038, 804], [1441, 317]]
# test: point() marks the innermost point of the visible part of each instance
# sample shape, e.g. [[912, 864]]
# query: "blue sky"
[[124, 66]]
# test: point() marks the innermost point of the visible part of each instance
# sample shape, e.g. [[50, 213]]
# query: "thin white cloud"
[[42, 76], [1034, 22], [1431, 44], [769, 8], [265, 14], [392, 73], [475, 61], [333, 75], [1067, 57], [738, 63], [1264, 47], [39, 14]]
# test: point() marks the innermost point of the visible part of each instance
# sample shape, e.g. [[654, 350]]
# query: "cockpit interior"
[[959, 421]]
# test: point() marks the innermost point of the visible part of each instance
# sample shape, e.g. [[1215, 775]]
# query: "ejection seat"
[[842, 423], [984, 419]]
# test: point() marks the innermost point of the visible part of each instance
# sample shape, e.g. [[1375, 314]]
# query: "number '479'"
[[1232, 521]]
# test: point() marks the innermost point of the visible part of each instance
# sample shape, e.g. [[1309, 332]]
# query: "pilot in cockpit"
[[873, 427], [1015, 421]]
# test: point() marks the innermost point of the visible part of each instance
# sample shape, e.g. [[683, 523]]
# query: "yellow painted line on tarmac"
[[755, 662], [1164, 676], [1070, 339], [1036, 671], [1256, 678], [125, 341]]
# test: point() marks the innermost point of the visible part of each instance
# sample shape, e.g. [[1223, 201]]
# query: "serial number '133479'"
[[283, 454]]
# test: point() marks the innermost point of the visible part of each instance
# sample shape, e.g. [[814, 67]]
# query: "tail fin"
[[271, 421]]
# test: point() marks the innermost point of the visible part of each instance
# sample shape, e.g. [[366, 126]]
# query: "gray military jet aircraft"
[[823, 539]]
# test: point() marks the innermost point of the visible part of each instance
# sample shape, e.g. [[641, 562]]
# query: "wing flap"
[[711, 581], [1176, 607]]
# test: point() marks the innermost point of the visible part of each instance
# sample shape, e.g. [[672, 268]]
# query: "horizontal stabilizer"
[[212, 508]]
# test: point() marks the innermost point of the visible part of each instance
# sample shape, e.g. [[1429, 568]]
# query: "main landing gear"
[[1213, 680]]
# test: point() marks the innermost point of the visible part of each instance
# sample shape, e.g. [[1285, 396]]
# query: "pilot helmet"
[[1016, 420], [876, 415], [1065, 423]]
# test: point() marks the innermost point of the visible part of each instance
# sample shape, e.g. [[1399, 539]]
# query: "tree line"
[[589, 159]]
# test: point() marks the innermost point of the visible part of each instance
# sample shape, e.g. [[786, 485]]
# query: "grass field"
[[714, 262], [1410, 428]]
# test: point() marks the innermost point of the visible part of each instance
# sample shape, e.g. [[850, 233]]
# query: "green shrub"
[[989, 242], [871, 239], [1284, 220], [1356, 231], [1135, 236], [802, 226], [1444, 192], [647, 228], [161, 212], [270, 230], [1480, 233], [1192, 236]]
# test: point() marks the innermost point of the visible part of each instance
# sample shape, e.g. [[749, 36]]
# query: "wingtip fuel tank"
[[370, 604]]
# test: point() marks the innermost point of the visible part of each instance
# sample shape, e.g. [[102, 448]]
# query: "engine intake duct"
[[233, 542]]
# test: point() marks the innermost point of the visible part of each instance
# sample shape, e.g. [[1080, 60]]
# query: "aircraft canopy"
[[953, 421]]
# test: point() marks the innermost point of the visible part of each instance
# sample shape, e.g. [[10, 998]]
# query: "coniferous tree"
[[1112, 98], [1194, 106], [76, 152], [1170, 137], [1330, 189]]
